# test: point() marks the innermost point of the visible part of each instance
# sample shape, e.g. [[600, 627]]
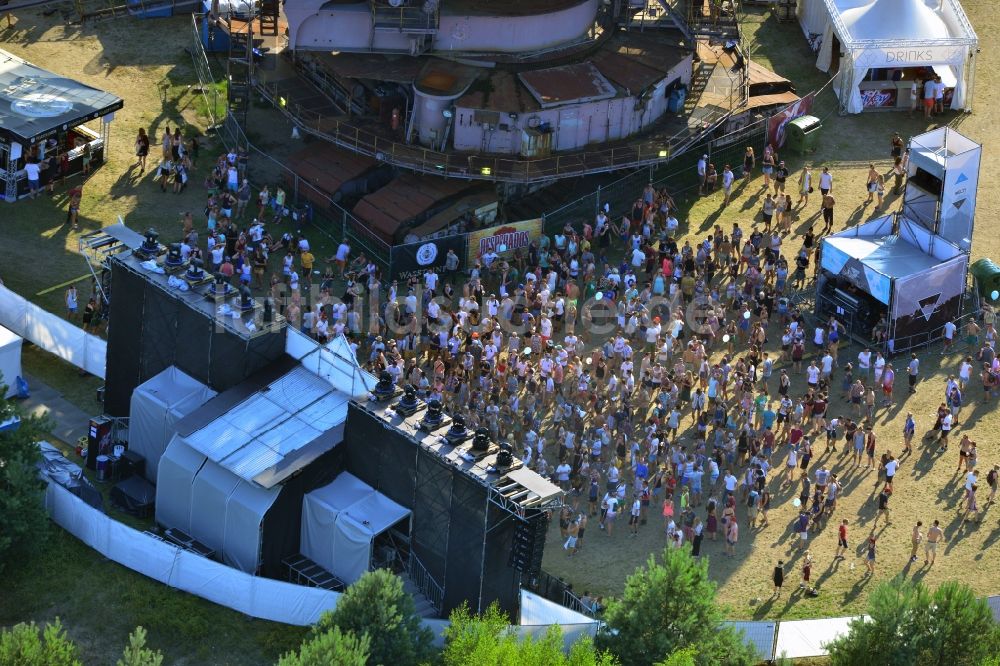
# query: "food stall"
[[43, 115]]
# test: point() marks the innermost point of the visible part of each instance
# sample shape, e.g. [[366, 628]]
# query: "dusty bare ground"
[[926, 487]]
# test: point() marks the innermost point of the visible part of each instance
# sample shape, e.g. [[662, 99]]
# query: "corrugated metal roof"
[[274, 432], [579, 82], [627, 72]]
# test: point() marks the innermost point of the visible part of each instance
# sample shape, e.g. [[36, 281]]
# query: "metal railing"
[[342, 132], [716, 21], [679, 176], [910, 342], [422, 579], [573, 602], [329, 218], [404, 18]]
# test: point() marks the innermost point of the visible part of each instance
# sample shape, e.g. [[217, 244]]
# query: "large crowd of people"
[[661, 379]]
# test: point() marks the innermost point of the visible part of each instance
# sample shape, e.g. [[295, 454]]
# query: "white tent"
[[221, 475], [10, 359], [896, 33], [219, 509], [340, 521], [157, 404]]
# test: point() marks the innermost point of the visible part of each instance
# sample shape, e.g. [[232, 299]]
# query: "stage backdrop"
[[511, 236]]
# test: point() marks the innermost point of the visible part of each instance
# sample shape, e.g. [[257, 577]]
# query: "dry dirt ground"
[[145, 63], [927, 488]]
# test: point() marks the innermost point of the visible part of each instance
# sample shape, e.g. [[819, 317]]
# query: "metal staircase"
[[269, 12], [97, 248], [239, 68]]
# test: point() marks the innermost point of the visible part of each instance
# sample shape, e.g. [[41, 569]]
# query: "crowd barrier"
[[52, 333], [262, 598]]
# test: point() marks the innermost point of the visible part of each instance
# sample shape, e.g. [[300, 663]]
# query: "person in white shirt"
[[562, 475], [826, 366], [938, 95], [812, 375], [702, 173], [431, 280], [949, 336], [33, 171], [879, 367], [727, 183], [633, 519], [865, 363], [638, 258]]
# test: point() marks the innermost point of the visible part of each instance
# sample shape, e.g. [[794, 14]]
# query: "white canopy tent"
[[10, 359], [221, 510], [157, 404], [895, 33], [341, 520]]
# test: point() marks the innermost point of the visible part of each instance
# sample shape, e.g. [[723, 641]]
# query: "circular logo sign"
[[426, 254], [39, 105]]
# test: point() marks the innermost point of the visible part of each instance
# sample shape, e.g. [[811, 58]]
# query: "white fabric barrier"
[[10, 359], [262, 598], [798, 639], [53, 333], [537, 610]]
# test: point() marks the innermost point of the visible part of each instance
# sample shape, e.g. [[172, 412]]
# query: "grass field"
[[145, 63]]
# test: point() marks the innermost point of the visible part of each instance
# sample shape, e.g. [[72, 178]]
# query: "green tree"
[[23, 521], [682, 657], [377, 603], [330, 647], [949, 626], [489, 641], [670, 606], [27, 645], [137, 654]]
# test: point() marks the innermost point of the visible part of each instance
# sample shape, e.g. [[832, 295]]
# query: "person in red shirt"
[[227, 268], [841, 540]]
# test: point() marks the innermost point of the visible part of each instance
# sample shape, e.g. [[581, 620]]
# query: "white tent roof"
[[156, 406], [899, 23], [335, 362], [10, 359], [894, 19], [276, 431], [339, 522]]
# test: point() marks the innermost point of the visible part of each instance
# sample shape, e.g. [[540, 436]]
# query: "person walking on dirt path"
[[935, 535], [780, 176], [916, 537], [827, 207], [870, 557], [141, 149], [805, 187], [778, 577], [842, 545]]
